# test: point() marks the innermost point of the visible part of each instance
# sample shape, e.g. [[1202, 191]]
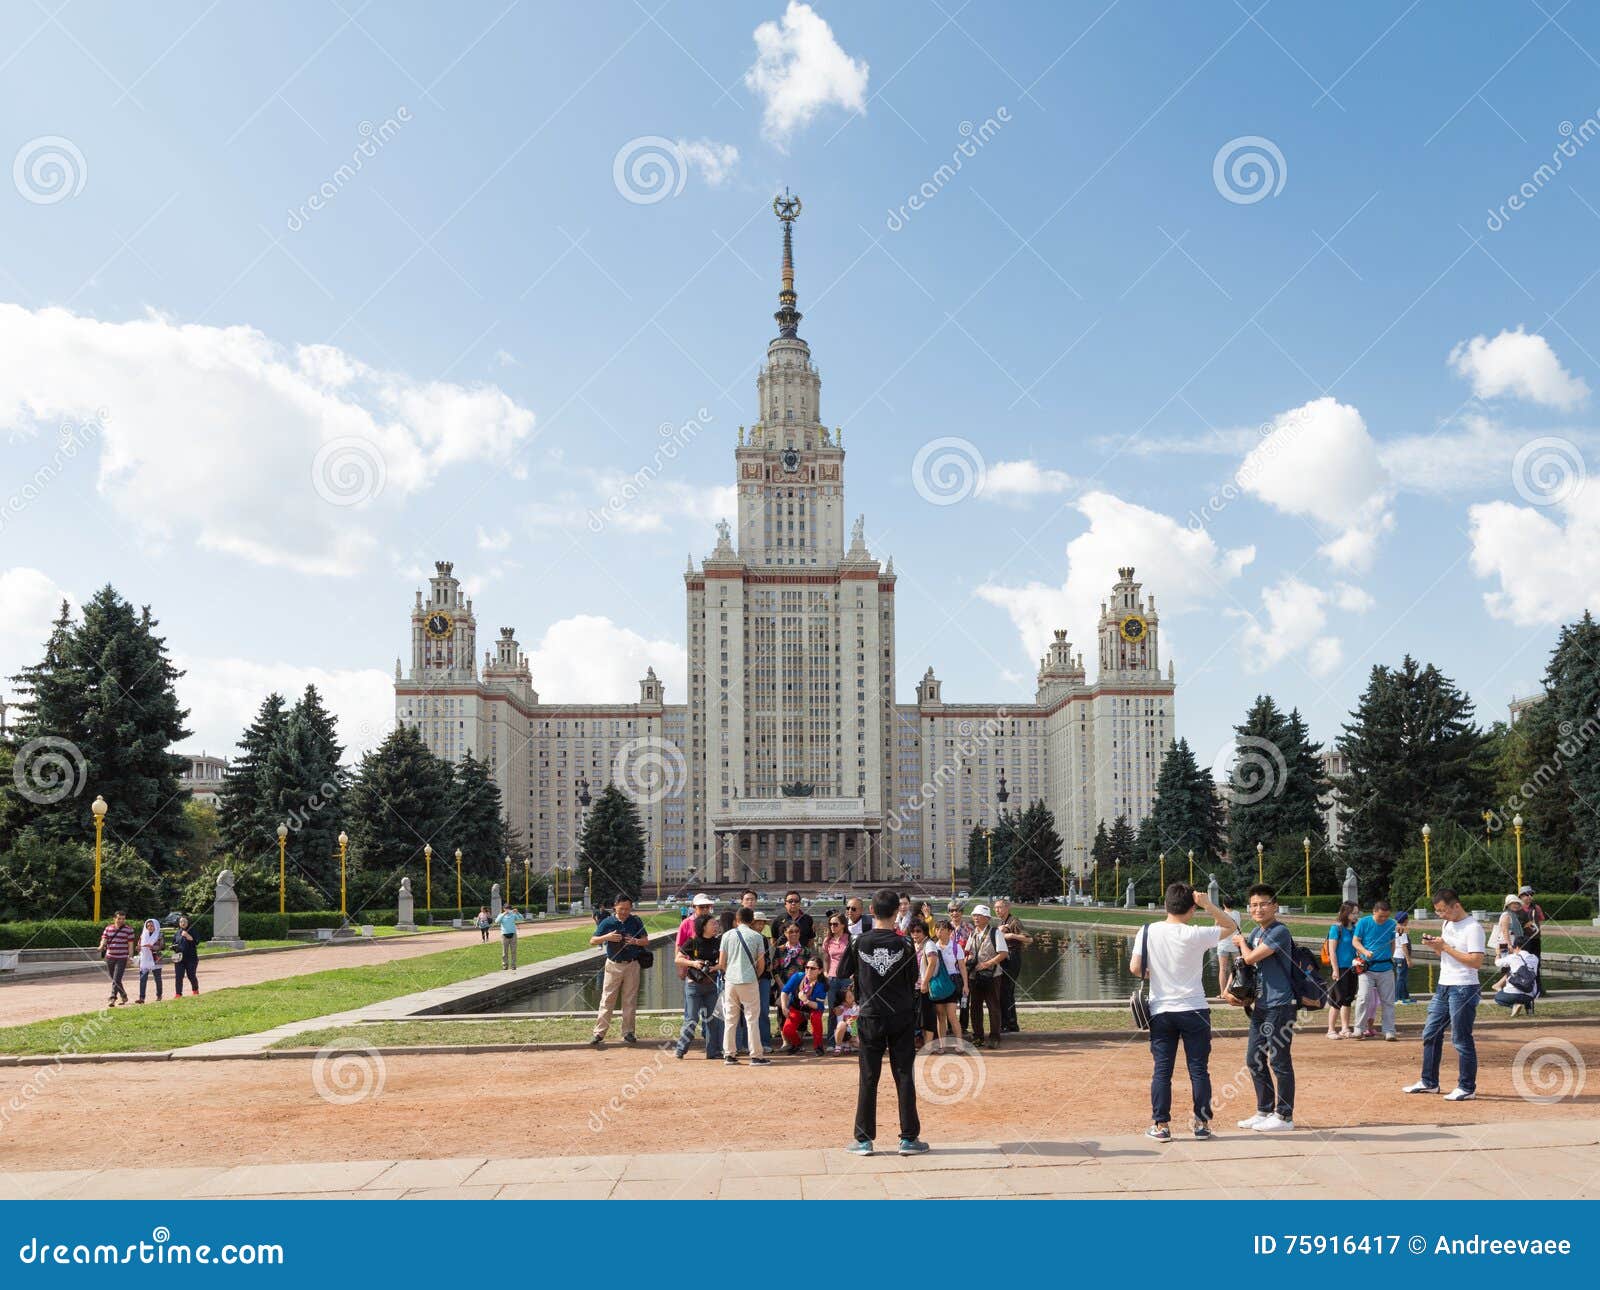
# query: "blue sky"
[[1335, 406]]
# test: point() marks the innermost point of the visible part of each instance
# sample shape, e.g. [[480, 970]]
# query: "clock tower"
[[790, 471]]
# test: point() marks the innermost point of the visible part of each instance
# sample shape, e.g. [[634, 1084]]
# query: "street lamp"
[[1163, 860], [427, 876], [1427, 880], [99, 808], [988, 845], [1488, 837], [505, 892], [459, 910], [527, 882], [1261, 873], [1516, 827], [583, 804], [1191, 866], [344, 842], [1306, 843], [283, 837]]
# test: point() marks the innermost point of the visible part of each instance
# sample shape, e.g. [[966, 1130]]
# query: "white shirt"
[[1174, 953], [1465, 935], [954, 957], [1511, 962]]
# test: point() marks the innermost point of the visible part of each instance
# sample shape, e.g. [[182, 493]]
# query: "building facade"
[[789, 760]]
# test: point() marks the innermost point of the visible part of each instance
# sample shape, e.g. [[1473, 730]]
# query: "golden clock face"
[[439, 625], [1133, 629]]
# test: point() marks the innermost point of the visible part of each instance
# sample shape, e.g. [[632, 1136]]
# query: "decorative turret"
[[1128, 631], [787, 209]]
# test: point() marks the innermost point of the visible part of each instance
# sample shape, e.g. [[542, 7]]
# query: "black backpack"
[[1523, 978], [1305, 979]]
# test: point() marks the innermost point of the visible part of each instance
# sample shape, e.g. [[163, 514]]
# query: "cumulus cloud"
[[715, 161], [1294, 621], [1185, 566], [1519, 364], [1545, 559], [1017, 480], [219, 436], [611, 499], [590, 659], [1320, 462], [30, 600], [799, 70], [223, 694]]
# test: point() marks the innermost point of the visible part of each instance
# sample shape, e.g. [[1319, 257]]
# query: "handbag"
[[941, 985], [645, 959], [1139, 1000]]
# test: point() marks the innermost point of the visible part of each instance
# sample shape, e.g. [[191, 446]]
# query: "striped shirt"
[[118, 941]]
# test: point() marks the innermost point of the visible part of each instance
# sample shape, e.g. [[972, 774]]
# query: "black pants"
[[114, 969], [1271, 1033], [185, 968], [1194, 1029], [896, 1038], [985, 994], [1008, 1004]]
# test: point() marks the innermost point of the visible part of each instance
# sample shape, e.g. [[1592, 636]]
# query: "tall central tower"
[[791, 646]]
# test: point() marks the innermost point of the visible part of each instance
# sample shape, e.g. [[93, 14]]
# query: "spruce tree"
[[1416, 757], [977, 859], [613, 846], [243, 811], [397, 803], [1186, 815], [1099, 859], [477, 827], [1036, 857], [1573, 681]]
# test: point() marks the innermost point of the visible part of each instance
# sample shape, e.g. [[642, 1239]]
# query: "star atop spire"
[[787, 209]]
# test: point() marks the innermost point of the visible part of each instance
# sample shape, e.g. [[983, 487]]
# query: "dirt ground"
[[23, 1001], [623, 1100]]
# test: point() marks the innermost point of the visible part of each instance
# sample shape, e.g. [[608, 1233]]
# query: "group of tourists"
[[122, 944], [1265, 973]]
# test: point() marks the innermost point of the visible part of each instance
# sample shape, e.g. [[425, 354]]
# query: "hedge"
[[1576, 906], [70, 933]]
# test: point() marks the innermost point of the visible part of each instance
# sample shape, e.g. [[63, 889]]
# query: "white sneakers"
[[1459, 1095], [1420, 1087], [1269, 1123]]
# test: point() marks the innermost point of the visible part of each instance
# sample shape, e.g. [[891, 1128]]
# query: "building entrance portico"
[[796, 840]]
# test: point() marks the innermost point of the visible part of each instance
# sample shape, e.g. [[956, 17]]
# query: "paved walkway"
[[23, 1001], [1528, 1160]]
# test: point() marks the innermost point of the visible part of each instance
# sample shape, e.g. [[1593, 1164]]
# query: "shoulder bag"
[[1139, 1000]]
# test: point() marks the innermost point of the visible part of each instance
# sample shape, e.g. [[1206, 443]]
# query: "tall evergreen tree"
[[107, 688], [1036, 859], [1572, 678], [1186, 814], [977, 859], [476, 826], [397, 803], [1416, 756], [1099, 859], [1277, 779], [613, 845], [303, 786], [243, 813]]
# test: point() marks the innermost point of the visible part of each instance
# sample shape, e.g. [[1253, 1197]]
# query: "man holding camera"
[[1270, 951]]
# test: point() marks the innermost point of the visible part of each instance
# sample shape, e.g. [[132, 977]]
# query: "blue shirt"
[[630, 927], [1272, 973], [1344, 950], [508, 924], [1379, 938], [796, 983]]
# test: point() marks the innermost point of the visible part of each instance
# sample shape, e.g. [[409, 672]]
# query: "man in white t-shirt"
[[1173, 954], [1455, 1000]]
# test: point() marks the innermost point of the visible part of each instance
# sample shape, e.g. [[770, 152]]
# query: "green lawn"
[[246, 1009]]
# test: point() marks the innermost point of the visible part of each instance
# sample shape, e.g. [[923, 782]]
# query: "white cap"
[[1513, 900], [702, 899], [980, 909], [759, 917]]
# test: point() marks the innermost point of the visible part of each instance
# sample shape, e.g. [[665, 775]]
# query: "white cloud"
[[498, 540], [715, 161], [590, 659], [30, 600], [224, 694], [1022, 479], [799, 70], [1294, 620], [611, 499], [1518, 364], [1319, 462], [221, 437], [1477, 453], [1185, 564], [1547, 560]]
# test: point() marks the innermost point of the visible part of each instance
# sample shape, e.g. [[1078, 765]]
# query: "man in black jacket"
[[884, 968]]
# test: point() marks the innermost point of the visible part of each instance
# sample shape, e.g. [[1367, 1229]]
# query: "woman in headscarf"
[[150, 957]]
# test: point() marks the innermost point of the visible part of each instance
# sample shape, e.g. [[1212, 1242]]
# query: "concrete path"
[[1535, 1159]]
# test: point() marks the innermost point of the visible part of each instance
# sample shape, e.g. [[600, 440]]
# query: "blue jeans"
[[1271, 1033], [1402, 982], [1194, 1029], [743, 1038], [700, 1005], [1454, 1007]]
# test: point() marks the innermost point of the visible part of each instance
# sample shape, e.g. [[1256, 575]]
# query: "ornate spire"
[[787, 209]]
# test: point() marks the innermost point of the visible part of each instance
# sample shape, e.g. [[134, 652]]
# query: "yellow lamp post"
[[1191, 866], [588, 888], [658, 871], [1162, 859], [459, 910], [1427, 878], [344, 843], [1305, 842], [505, 892], [527, 882], [1116, 878], [952, 868], [427, 876], [1516, 827], [99, 808], [283, 873], [1261, 872]]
